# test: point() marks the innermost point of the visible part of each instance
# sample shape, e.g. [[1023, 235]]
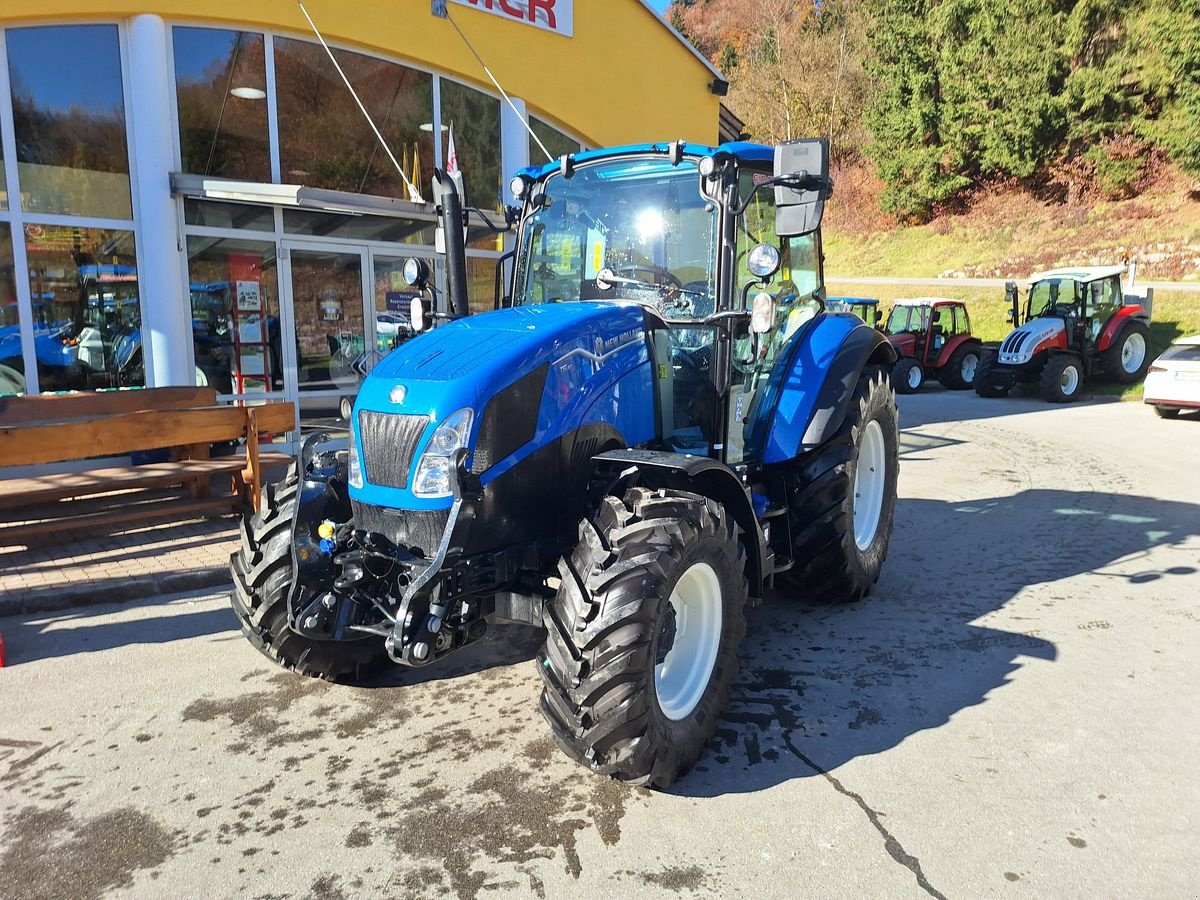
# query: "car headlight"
[[433, 471], [355, 468]]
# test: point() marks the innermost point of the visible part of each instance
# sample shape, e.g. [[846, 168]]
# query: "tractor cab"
[[866, 308], [721, 250]]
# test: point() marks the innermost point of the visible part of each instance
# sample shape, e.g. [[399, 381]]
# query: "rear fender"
[[809, 391], [618, 470], [952, 346], [1114, 325]]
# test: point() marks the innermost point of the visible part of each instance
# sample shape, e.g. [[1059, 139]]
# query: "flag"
[[439, 9], [416, 172], [451, 156]]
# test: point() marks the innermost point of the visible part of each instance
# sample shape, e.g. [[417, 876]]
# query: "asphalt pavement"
[[1012, 713]]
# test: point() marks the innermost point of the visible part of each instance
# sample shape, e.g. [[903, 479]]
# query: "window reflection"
[[69, 118], [359, 228], [556, 142], [327, 297], [323, 139], [475, 118], [234, 290], [220, 84], [87, 318], [12, 363]]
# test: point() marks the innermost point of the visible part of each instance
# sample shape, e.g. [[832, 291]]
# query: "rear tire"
[[907, 376], [959, 372], [1062, 379], [1166, 412], [611, 696], [1127, 360], [839, 558], [985, 386], [262, 577]]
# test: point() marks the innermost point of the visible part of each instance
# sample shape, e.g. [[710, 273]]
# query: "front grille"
[[417, 529], [388, 442]]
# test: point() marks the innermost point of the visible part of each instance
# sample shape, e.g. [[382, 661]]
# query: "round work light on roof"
[[708, 165], [518, 186]]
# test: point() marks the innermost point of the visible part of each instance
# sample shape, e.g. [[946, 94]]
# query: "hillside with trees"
[[1070, 111]]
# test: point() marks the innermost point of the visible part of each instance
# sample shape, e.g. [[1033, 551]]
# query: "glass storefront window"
[[327, 307], [324, 141], [69, 118], [475, 119], [87, 318], [242, 216], [234, 288], [556, 142], [12, 362], [358, 228], [393, 302], [221, 92], [481, 283]]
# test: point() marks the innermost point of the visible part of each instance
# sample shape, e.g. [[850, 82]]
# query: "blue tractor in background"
[[658, 420]]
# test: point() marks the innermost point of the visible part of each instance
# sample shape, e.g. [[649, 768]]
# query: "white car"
[[1173, 380]]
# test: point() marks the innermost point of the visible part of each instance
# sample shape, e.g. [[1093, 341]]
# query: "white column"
[[166, 312], [514, 143]]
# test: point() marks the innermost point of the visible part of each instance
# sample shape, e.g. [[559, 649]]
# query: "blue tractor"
[[658, 420]]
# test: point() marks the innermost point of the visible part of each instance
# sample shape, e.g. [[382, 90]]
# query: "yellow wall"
[[622, 78]]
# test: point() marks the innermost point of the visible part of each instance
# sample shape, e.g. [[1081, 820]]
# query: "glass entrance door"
[[330, 327]]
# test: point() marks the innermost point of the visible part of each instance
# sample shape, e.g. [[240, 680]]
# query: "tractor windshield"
[[631, 229], [1055, 297]]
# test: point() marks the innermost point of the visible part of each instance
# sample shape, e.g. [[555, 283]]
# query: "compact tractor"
[[933, 339], [656, 422], [1077, 324]]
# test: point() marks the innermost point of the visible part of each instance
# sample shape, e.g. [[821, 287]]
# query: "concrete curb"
[[67, 596]]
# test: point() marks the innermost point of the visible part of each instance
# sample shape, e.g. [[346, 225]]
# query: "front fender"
[[810, 388]]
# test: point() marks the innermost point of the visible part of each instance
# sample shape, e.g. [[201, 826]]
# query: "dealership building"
[[191, 194]]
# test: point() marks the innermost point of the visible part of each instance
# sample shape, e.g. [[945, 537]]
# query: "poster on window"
[[249, 330], [249, 297], [251, 361]]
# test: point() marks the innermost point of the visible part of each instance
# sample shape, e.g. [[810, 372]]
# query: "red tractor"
[[934, 340], [1077, 323]]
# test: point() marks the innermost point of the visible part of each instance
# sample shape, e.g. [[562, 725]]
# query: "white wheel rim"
[[682, 677], [914, 377], [1133, 352], [969, 364], [869, 479], [1069, 381]]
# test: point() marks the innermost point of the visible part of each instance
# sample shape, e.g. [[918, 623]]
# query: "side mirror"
[[802, 168]]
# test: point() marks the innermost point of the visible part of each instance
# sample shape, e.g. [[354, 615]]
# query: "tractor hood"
[[1035, 335], [528, 374]]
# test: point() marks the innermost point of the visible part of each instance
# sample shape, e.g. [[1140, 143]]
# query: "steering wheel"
[[668, 277]]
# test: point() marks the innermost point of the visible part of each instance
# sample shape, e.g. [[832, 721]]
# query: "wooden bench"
[[185, 421]]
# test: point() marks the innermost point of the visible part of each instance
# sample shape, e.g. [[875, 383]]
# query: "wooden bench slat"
[[15, 410], [19, 492], [173, 507], [35, 443]]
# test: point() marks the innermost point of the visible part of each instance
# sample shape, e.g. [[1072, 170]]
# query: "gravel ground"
[[1013, 712]]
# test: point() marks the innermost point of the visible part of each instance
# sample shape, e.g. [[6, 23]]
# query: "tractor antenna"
[[413, 192], [488, 72]]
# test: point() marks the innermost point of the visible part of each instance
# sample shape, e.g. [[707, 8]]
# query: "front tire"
[[842, 499], [985, 385], [262, 577], [1127, 360], [1062, 379], [642, 638], [908, 376]]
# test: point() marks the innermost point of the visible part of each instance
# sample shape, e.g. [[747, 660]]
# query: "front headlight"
[[354, 467], [433, 471]]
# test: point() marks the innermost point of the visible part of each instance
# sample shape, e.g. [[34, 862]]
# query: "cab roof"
[[924, 301], [743, 151], [1082, 274]]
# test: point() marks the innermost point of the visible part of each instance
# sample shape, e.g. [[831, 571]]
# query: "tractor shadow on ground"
[[934, 404], [821, 686]]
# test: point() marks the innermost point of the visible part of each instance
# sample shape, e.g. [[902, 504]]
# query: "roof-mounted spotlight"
[[566, 165]]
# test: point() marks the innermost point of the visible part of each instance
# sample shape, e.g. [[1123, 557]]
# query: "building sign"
[[549, 15]]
